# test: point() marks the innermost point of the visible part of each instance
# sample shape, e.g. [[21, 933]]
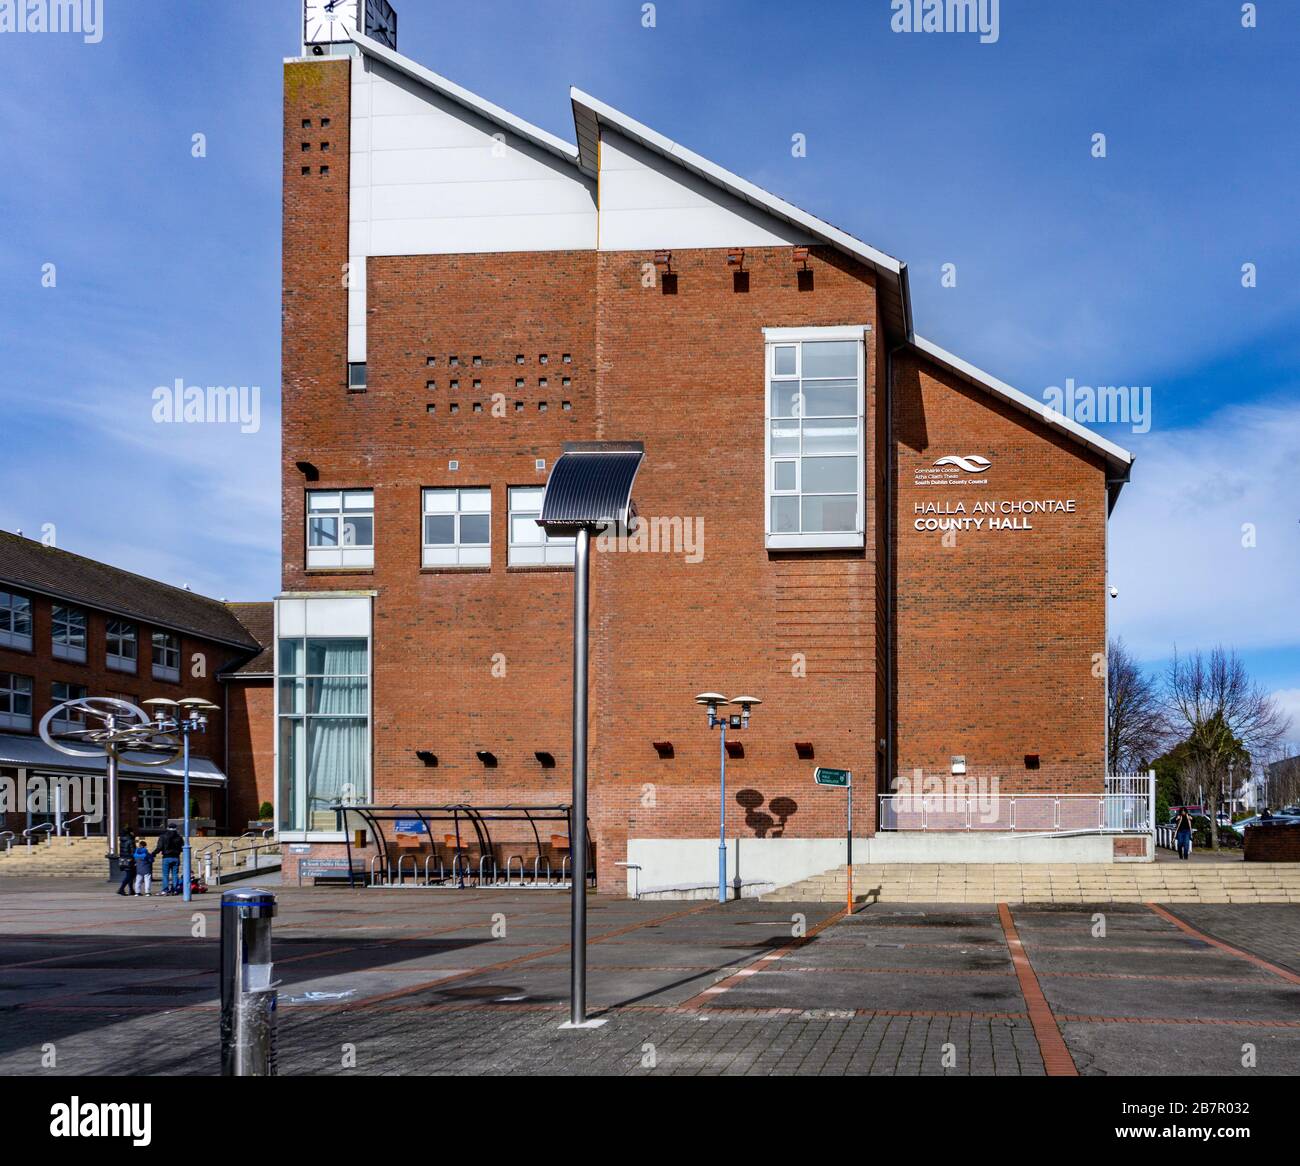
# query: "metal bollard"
[[248, 996]]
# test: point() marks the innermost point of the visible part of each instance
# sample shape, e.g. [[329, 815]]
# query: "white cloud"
[[1289, 701], [1177, 553]]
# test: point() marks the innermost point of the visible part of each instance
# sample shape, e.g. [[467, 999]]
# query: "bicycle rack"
[[442, 870], [401, 858], [522, 872], [564, 866]]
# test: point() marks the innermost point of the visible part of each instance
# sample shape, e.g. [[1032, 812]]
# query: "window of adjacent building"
[[815, 438], [357, 375], [15, 701], [324, 715], [340, 528], [166, 656], [122, 647], [69, 634], [530, 545], [15, 620], [457, 528], [61, 692], [152, 814]]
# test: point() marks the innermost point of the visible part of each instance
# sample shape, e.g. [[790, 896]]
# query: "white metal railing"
[[1025, 813], [1167, 838]]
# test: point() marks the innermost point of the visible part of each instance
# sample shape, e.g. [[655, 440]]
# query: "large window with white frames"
[[815, 437], [340, 528], [457, 530], [15, 621], [530, 545]]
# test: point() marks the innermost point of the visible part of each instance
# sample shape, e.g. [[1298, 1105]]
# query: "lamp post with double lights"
[[182, 718], [712, 701]]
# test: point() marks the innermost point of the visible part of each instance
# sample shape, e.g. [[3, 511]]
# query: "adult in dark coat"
[[126, 861]]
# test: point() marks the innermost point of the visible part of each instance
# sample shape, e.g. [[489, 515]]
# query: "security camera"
[[1114, 592]]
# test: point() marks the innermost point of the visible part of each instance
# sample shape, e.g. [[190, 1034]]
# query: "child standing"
[[143, 869]]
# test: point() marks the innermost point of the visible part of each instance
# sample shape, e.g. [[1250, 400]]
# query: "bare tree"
[[1228, 718], [1137, 728]]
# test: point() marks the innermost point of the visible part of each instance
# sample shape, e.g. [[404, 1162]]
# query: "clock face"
[[329, 21], [381, 22]]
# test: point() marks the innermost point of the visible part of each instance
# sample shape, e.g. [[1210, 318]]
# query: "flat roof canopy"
[[591, 486]]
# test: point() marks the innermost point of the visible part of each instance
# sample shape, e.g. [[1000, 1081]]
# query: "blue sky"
[[935, 148]]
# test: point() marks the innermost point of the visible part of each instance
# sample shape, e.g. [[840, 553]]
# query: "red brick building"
[[902, 556], [71, 627]]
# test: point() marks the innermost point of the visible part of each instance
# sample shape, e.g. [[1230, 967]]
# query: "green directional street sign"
[[840, 777]]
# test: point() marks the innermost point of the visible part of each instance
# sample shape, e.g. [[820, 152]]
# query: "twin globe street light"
[[183, 718], [713, 701]]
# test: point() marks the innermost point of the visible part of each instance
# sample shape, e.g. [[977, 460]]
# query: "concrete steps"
[[1229, 882], [78, 857]]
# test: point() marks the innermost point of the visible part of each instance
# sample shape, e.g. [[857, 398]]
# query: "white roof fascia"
[[1108, 449], [733, 183], [471, 101]]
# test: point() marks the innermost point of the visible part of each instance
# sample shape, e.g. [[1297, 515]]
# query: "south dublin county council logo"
[[970, 470]]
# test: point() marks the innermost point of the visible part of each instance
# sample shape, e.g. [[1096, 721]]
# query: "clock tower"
[[335, 22]]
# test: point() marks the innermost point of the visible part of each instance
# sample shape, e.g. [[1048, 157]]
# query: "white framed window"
[[68, 638], [815, 433], [122, 644], [530, 545], [457, 528], [61, 692], [15, 621], [340, 528], [166, 656], [15, 701]]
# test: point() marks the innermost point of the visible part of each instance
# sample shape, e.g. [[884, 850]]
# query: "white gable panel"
[[432, 176], [647, 201]]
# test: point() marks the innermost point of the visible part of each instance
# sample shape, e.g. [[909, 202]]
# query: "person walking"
[[126, 861], [143, 870], [170, 845], [1183, 833]]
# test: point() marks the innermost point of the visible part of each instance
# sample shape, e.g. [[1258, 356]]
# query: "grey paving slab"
[[1255, 1000], [1185, 1050]]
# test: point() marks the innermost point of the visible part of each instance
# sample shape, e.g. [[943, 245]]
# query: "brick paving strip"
[[1249, 957], [1051, 1045]]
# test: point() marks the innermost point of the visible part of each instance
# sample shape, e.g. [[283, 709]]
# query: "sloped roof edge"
[[1116, 457], [472, 101]]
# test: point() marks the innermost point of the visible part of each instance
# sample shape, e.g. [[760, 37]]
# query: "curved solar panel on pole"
[[590, 488]]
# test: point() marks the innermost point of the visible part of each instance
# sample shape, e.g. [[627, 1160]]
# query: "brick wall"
[[998, 634], [250, 760], [1273, 844]]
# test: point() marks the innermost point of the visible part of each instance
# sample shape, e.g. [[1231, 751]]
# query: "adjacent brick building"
[[71, 627], [903, 557]]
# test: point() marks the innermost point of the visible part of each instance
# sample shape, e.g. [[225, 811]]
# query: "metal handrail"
[[36, 830], [84, 819], [1130, 809], [10, 835]]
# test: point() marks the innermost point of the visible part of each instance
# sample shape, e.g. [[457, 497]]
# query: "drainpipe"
[[891, 535]]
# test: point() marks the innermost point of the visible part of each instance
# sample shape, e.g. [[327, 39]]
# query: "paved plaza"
[[473, 982]]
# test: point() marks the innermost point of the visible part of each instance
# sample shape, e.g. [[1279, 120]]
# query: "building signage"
[[1003, 514], [838, 777], [955, 469]]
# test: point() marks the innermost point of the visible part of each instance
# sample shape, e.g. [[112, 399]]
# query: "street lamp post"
[[190, 716], [712, 701]]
